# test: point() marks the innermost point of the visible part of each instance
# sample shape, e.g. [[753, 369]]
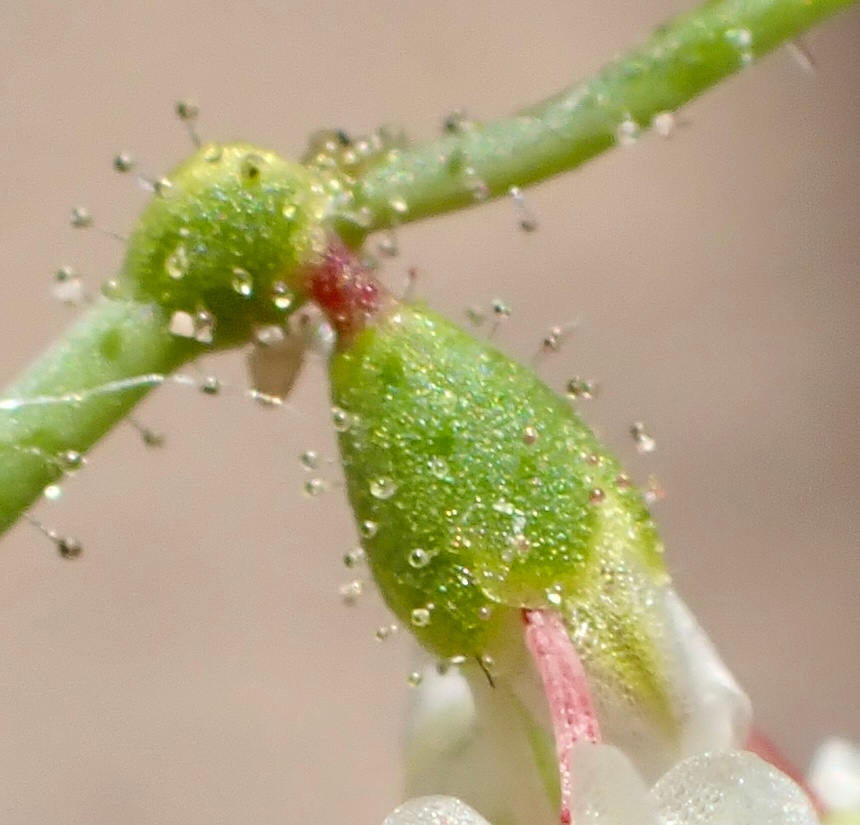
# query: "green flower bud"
[[490, 495], [224, 235]]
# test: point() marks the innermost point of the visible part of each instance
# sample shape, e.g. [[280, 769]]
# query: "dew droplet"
[[213, 153], [314, 487], [645, 444], [554, 597], [243, 283], [579, 388], [204, 326], [176, 263], [111, 289], [384, 632], [123, 162], [622, 481], [597, 496], [368, 529], [282, 297], [351, 591], [419, 558], [664, 124], [530, 436], [163, 187], [71, 460], [501, 309], [627, 132], [414, 679], [553, 340], [68, 547], [354, 558], [592, 459], [383, 488], [742, 40], [398, 205], [81, 218], [438, 468], [310, 459], [53, 492], [341, 419], [210, 385], [485, 613], [487, 662], [420, 617]]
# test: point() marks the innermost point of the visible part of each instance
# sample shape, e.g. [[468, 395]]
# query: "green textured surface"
[[440, 421], [233, 222]]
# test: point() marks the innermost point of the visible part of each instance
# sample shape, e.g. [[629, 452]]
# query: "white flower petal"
[[479, 744], [835, 774], [435, 810], [607, 790], [730, 788]]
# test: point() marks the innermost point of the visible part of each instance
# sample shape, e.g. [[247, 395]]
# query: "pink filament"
[[567, 693]]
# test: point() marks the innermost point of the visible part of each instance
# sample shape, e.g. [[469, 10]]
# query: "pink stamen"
[[566, 687]]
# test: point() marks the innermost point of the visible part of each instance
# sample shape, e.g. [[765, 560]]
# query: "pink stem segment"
[[566, 688]]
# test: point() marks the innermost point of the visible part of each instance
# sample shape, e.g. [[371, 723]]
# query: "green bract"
[[481, 492], [224, 236]]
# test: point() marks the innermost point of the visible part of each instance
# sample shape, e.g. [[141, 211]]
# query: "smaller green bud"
[[223, 238]]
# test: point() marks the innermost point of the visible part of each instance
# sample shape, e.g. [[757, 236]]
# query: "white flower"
[[488, 746], [717, 788], [835, 775], [493, 745]]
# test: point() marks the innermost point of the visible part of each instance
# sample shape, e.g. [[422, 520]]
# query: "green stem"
[[77, 391], [680, 61]]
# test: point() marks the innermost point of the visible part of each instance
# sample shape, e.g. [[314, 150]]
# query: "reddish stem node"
[[345, 290], [566, 687]]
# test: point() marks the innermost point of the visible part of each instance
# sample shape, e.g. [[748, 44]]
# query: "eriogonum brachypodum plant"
[[497, 527]]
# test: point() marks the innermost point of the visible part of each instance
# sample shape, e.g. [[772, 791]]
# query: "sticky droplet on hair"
[[351, 592], [310, 459], [627, 132], [645, 444], [578, 388], [210, 385], [123, 162], [81, 218], [315, 487]]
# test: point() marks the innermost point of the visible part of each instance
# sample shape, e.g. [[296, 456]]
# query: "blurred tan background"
[[196, 665]]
